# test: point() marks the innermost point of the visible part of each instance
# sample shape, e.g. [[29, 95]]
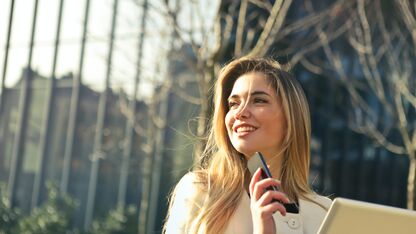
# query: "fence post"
[[124, 170], [44, 137], [22, 117], [98, 140], [73, 111], [6, 55]]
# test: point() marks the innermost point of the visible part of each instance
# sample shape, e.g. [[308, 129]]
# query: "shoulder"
[[184, 204], [188, 190], [187, 182], [313, 209], [190, 182], [319, 200]]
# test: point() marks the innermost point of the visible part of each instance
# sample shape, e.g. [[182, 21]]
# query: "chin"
[[247, 152]]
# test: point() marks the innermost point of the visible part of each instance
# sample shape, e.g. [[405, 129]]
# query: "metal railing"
[[25, 90]]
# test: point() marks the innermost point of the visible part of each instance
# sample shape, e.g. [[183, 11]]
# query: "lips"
[[244, 128]]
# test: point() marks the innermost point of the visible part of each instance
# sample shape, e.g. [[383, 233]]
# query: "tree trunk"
[[205, 110], [411, 182], [201, 130]]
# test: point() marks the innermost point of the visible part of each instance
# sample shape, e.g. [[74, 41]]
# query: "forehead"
[[253, 81]]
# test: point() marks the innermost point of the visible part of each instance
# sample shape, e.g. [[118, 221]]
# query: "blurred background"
[[104, 104]]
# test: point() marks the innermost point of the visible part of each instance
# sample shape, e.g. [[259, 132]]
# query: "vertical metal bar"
[[157, 165], [44, 138], [326, 142], [151, 182], [378, 172], [146, 171], [6, 55], [124, 170], [22, 117], [341, 188], [363, 184], [72, 121], [97, 150]]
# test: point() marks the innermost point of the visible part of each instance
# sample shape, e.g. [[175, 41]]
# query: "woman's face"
[[255, 120]]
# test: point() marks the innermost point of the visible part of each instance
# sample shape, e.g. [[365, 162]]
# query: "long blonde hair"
[[222, 172]]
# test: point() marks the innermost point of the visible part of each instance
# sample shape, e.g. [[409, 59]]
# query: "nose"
[[243, 112]]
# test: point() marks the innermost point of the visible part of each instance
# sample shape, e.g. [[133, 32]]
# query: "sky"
[[125, 54]]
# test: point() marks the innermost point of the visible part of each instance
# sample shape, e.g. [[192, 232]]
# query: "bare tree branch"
[[185, 96], [273, 25], [372, 73], [265, 5], [386, 60], [409, 18], [240, 27], [370, 130]]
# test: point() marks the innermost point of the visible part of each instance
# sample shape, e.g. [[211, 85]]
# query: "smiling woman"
[[259, 107], [255, 120]]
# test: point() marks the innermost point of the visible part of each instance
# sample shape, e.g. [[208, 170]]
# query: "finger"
[[254, 179], [268, 182], [272, 208], [261, 186], [269, 197]]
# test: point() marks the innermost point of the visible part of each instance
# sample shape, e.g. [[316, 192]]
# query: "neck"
[[275, 165]]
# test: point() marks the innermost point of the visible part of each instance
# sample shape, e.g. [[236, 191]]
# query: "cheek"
[[229, 121], [277, 127]]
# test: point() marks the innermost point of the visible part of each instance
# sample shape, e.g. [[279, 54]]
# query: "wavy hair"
[[222, 171]]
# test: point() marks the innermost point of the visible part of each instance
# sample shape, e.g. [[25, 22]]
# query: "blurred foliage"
[[54, 216], [118, 221], [9, 217]]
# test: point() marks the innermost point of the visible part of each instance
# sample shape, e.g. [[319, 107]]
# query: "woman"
[[258, 108]]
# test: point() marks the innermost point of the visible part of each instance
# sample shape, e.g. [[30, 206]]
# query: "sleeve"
[[184, 207], [325, 202]]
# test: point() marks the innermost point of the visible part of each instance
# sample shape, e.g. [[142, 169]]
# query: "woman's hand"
[[262, 205]]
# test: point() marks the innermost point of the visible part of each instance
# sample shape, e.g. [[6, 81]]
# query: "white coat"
[[188, 199]]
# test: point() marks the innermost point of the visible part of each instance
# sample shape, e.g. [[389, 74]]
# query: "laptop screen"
[[347, 216]]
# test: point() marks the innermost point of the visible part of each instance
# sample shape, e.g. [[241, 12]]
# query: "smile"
[[245, 129]]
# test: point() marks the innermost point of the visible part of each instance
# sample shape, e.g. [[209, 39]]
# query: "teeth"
[[245, 129]]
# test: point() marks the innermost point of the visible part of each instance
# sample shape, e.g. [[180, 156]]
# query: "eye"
[[260, 100], [232, 104]]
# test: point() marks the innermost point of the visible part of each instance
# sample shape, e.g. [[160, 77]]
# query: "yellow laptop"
[[347, 216]]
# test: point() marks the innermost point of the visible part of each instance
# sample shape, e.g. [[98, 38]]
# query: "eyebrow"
[[255, 93]]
